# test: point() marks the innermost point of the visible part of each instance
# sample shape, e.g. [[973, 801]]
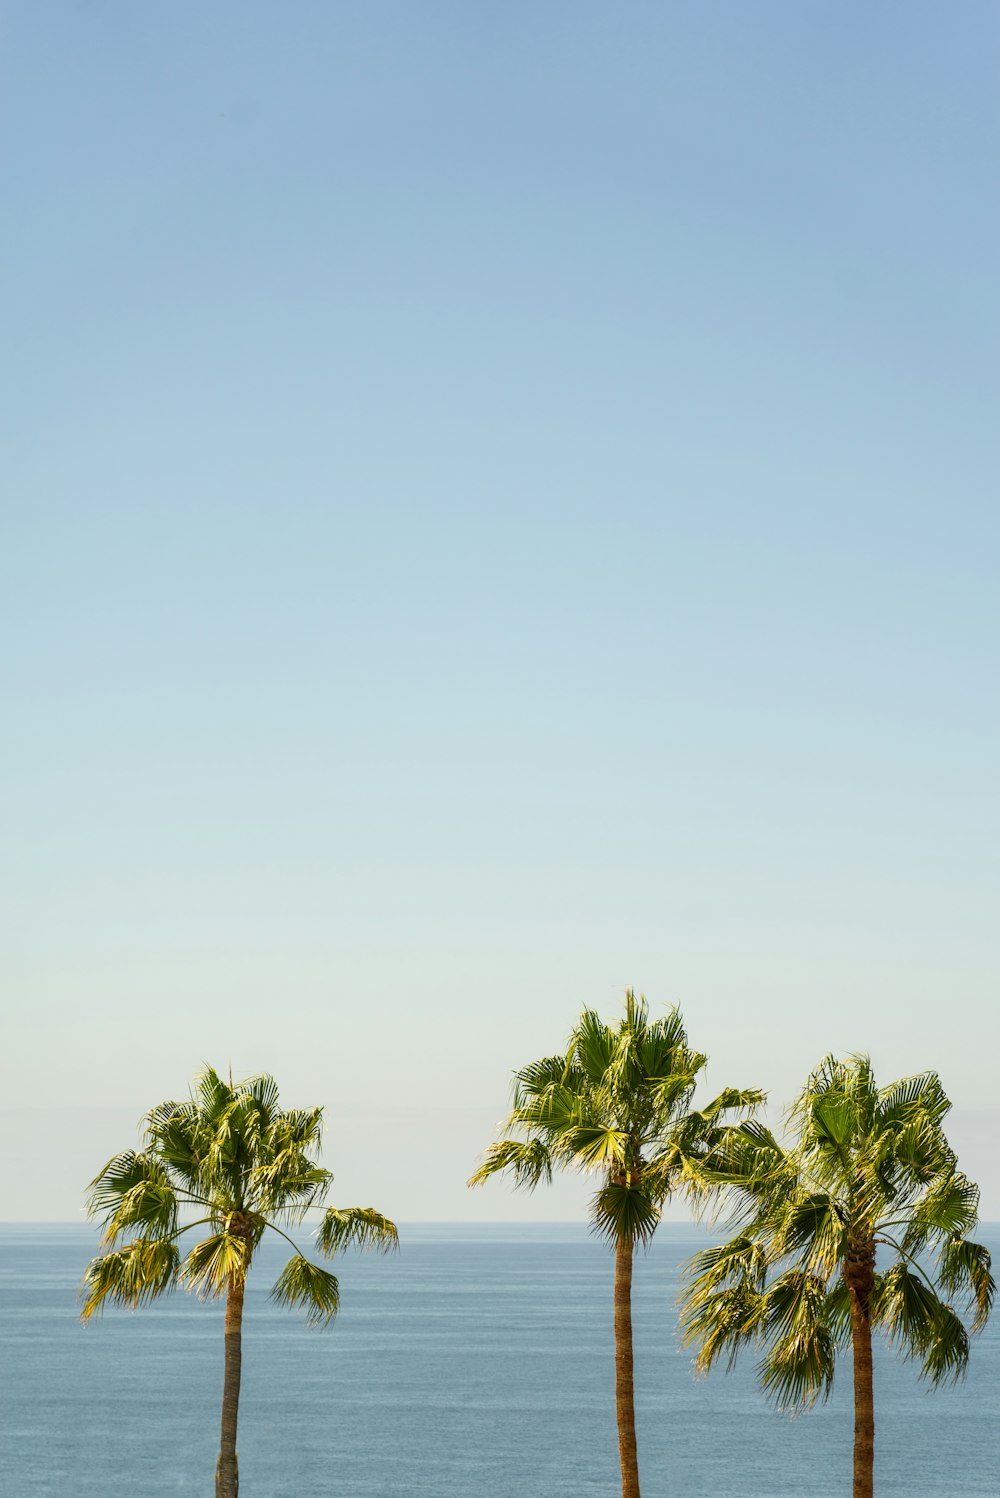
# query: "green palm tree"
[[617, 1104], [240, 1165], [870, 1176]]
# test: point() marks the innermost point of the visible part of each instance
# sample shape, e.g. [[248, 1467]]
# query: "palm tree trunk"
[[859, 1272], [227, 1478], [624, 1388]]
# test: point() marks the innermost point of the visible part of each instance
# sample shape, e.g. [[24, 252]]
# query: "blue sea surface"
[[478, 1363]]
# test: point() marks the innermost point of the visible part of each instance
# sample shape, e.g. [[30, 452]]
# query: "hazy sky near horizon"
[[501, 505]]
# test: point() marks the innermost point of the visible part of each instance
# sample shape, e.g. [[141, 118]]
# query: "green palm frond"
[[557, 1108], [227, 1154], [113, 1180], [305, 1285], [213, 1262], [669, 1096], [862, 1088], [947, 1357], [593, 1147], [533, 1080], [133, 1191], [918, 1149], [679, 1170], [798, 1369], [812, 1226], [948, 1209], [528, 1161], [754, 1156], [162, 1114], [624, 1072], [593, 1046], [793, 1302], [623, 1213], [211, 1095], [356, 1227], [150, 1205], [286, 1185], [296, 1128], [828, 1079], [834, 1123], [920, 1324], [905, 1305], [724, 1307], [761, 1175], [723, 1324], [131, 1276], [175, 1133], [263, 1090], [733, 1100], [837, 1314], [920, 1095], [250, 1125], [662, 1049], [666, 1073], [965, 1267], [742, 1260]]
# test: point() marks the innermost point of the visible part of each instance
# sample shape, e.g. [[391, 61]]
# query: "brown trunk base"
[[235, 1488]]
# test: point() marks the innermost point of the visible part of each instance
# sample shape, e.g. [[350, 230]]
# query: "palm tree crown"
[[239, 1165], [617, 1103], [870, 1176]]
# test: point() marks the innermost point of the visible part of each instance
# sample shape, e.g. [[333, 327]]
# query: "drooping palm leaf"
[[356, 1227], [309, 1287], [131, 1276]]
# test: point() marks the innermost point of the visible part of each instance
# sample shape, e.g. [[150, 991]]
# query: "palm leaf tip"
[[131, 1276], [309, 1287], [798, 1370], [966, 1267], [528, 1161], [922, 1325], [357, 1227]]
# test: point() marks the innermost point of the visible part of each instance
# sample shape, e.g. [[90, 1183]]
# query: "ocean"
[[477, 1363]]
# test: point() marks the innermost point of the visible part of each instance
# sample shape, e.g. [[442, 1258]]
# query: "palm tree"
[[617, 1104], [870, 1173], [242, 1166]]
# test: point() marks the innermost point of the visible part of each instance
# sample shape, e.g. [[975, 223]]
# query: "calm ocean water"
[[477, 1362]]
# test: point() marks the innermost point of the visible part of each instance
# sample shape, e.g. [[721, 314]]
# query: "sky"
[[500, 507]]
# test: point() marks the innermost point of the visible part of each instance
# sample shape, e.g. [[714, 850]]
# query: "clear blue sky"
[[501, 504]]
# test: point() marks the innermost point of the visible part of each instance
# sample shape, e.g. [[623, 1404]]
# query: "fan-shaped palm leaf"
[[314, 1290]]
